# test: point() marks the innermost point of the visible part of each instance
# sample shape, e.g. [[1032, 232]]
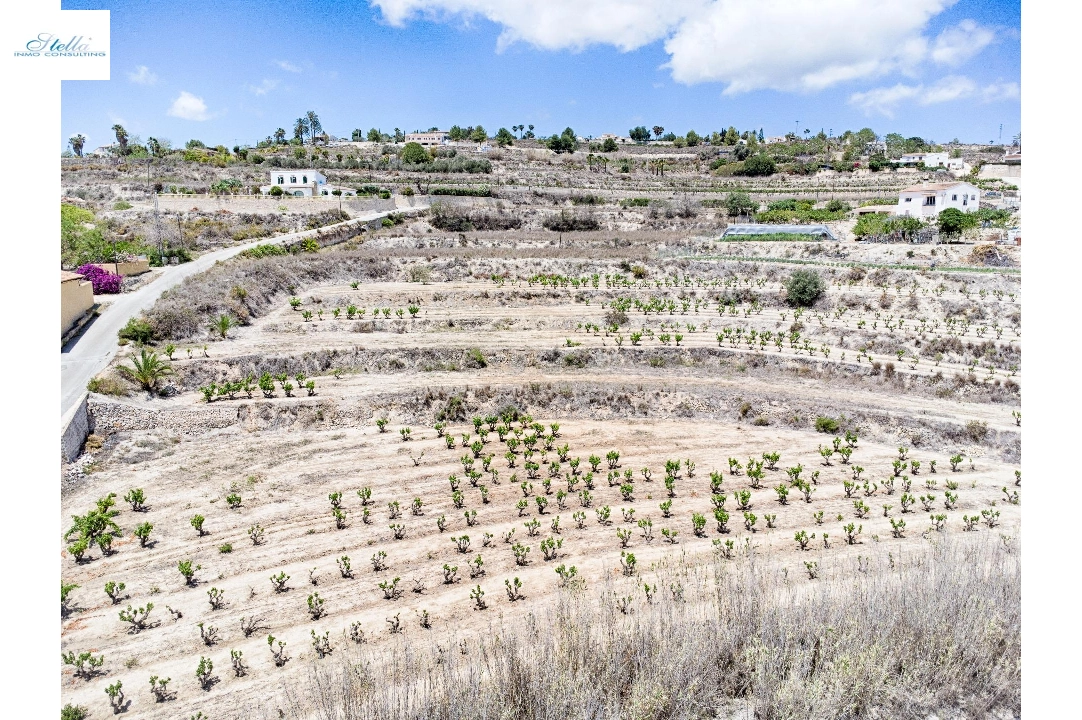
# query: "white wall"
[[962, 196]]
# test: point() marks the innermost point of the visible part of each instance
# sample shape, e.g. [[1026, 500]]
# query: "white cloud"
[[557, 24], [189, 107], [1001, 91], [949, 88], [264, 87], [798, 46], [744, 44], [142, 76], [287, 66], [955, 45], [886, 100]]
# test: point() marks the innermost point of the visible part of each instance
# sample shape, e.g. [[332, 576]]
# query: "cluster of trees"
[[692, 138], [476, 134], [377, 135], [566, 141]]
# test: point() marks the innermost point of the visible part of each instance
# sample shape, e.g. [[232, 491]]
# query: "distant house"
[[927, 201], [772, 139], [616, 138], [433, 137], [104, 151], [76, 297], [930, 160], [302, 183]]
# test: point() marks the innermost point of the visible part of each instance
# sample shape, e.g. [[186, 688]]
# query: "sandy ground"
[[284, 477]]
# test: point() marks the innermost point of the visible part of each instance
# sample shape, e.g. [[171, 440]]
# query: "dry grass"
[[935, 631]]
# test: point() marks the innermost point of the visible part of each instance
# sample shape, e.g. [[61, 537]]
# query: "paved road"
[[91, 352]]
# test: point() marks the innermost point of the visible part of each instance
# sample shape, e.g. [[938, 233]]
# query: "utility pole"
[[158, 230]]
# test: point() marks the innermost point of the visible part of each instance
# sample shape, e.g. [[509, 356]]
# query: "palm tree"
[[314, 126], [121, 138], [77, 142], [223, 324], [657, 131], [300, 128], [146, 369], [280, 136]]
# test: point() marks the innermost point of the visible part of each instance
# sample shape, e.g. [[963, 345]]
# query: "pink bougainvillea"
[[104, 282]]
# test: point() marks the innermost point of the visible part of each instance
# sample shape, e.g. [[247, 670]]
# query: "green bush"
[[137, 330], [759, 165], [276, 191], [804, 287], [415, 154], [740, 203], [877, 225], [483, 191], [73, 712], [265, 250], [953, 221], [826, 425]]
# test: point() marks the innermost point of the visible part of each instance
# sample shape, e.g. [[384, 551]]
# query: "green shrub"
[[758, 165], [265, 250], [826, 425], [483, 191], [953, 221], [138, 330], [804, 287], [414, 154], [739, 203], [476, 358], [877, 225], [74, 712]]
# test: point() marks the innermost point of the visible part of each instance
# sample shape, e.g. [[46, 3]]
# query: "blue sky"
[[231, 71]]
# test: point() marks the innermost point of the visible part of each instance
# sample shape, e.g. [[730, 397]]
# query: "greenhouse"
[[811, 232]]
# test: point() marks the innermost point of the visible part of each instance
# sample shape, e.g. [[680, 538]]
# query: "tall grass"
[[934, 629]]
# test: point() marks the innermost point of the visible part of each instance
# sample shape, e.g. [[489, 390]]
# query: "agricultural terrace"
[[429, 469]]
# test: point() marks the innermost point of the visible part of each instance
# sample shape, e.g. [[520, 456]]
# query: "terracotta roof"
[[66, 275], [932, 187]]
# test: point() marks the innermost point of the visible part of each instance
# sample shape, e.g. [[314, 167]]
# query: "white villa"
[[302, 183], [927, 201], [930, 160], [433, 137]]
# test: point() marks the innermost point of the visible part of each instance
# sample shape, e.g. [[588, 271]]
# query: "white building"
[[930, 160], [773, 139], [433, 137], [927, 201], [302, 183]]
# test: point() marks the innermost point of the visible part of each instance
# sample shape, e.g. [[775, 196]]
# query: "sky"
[[232, 71]]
